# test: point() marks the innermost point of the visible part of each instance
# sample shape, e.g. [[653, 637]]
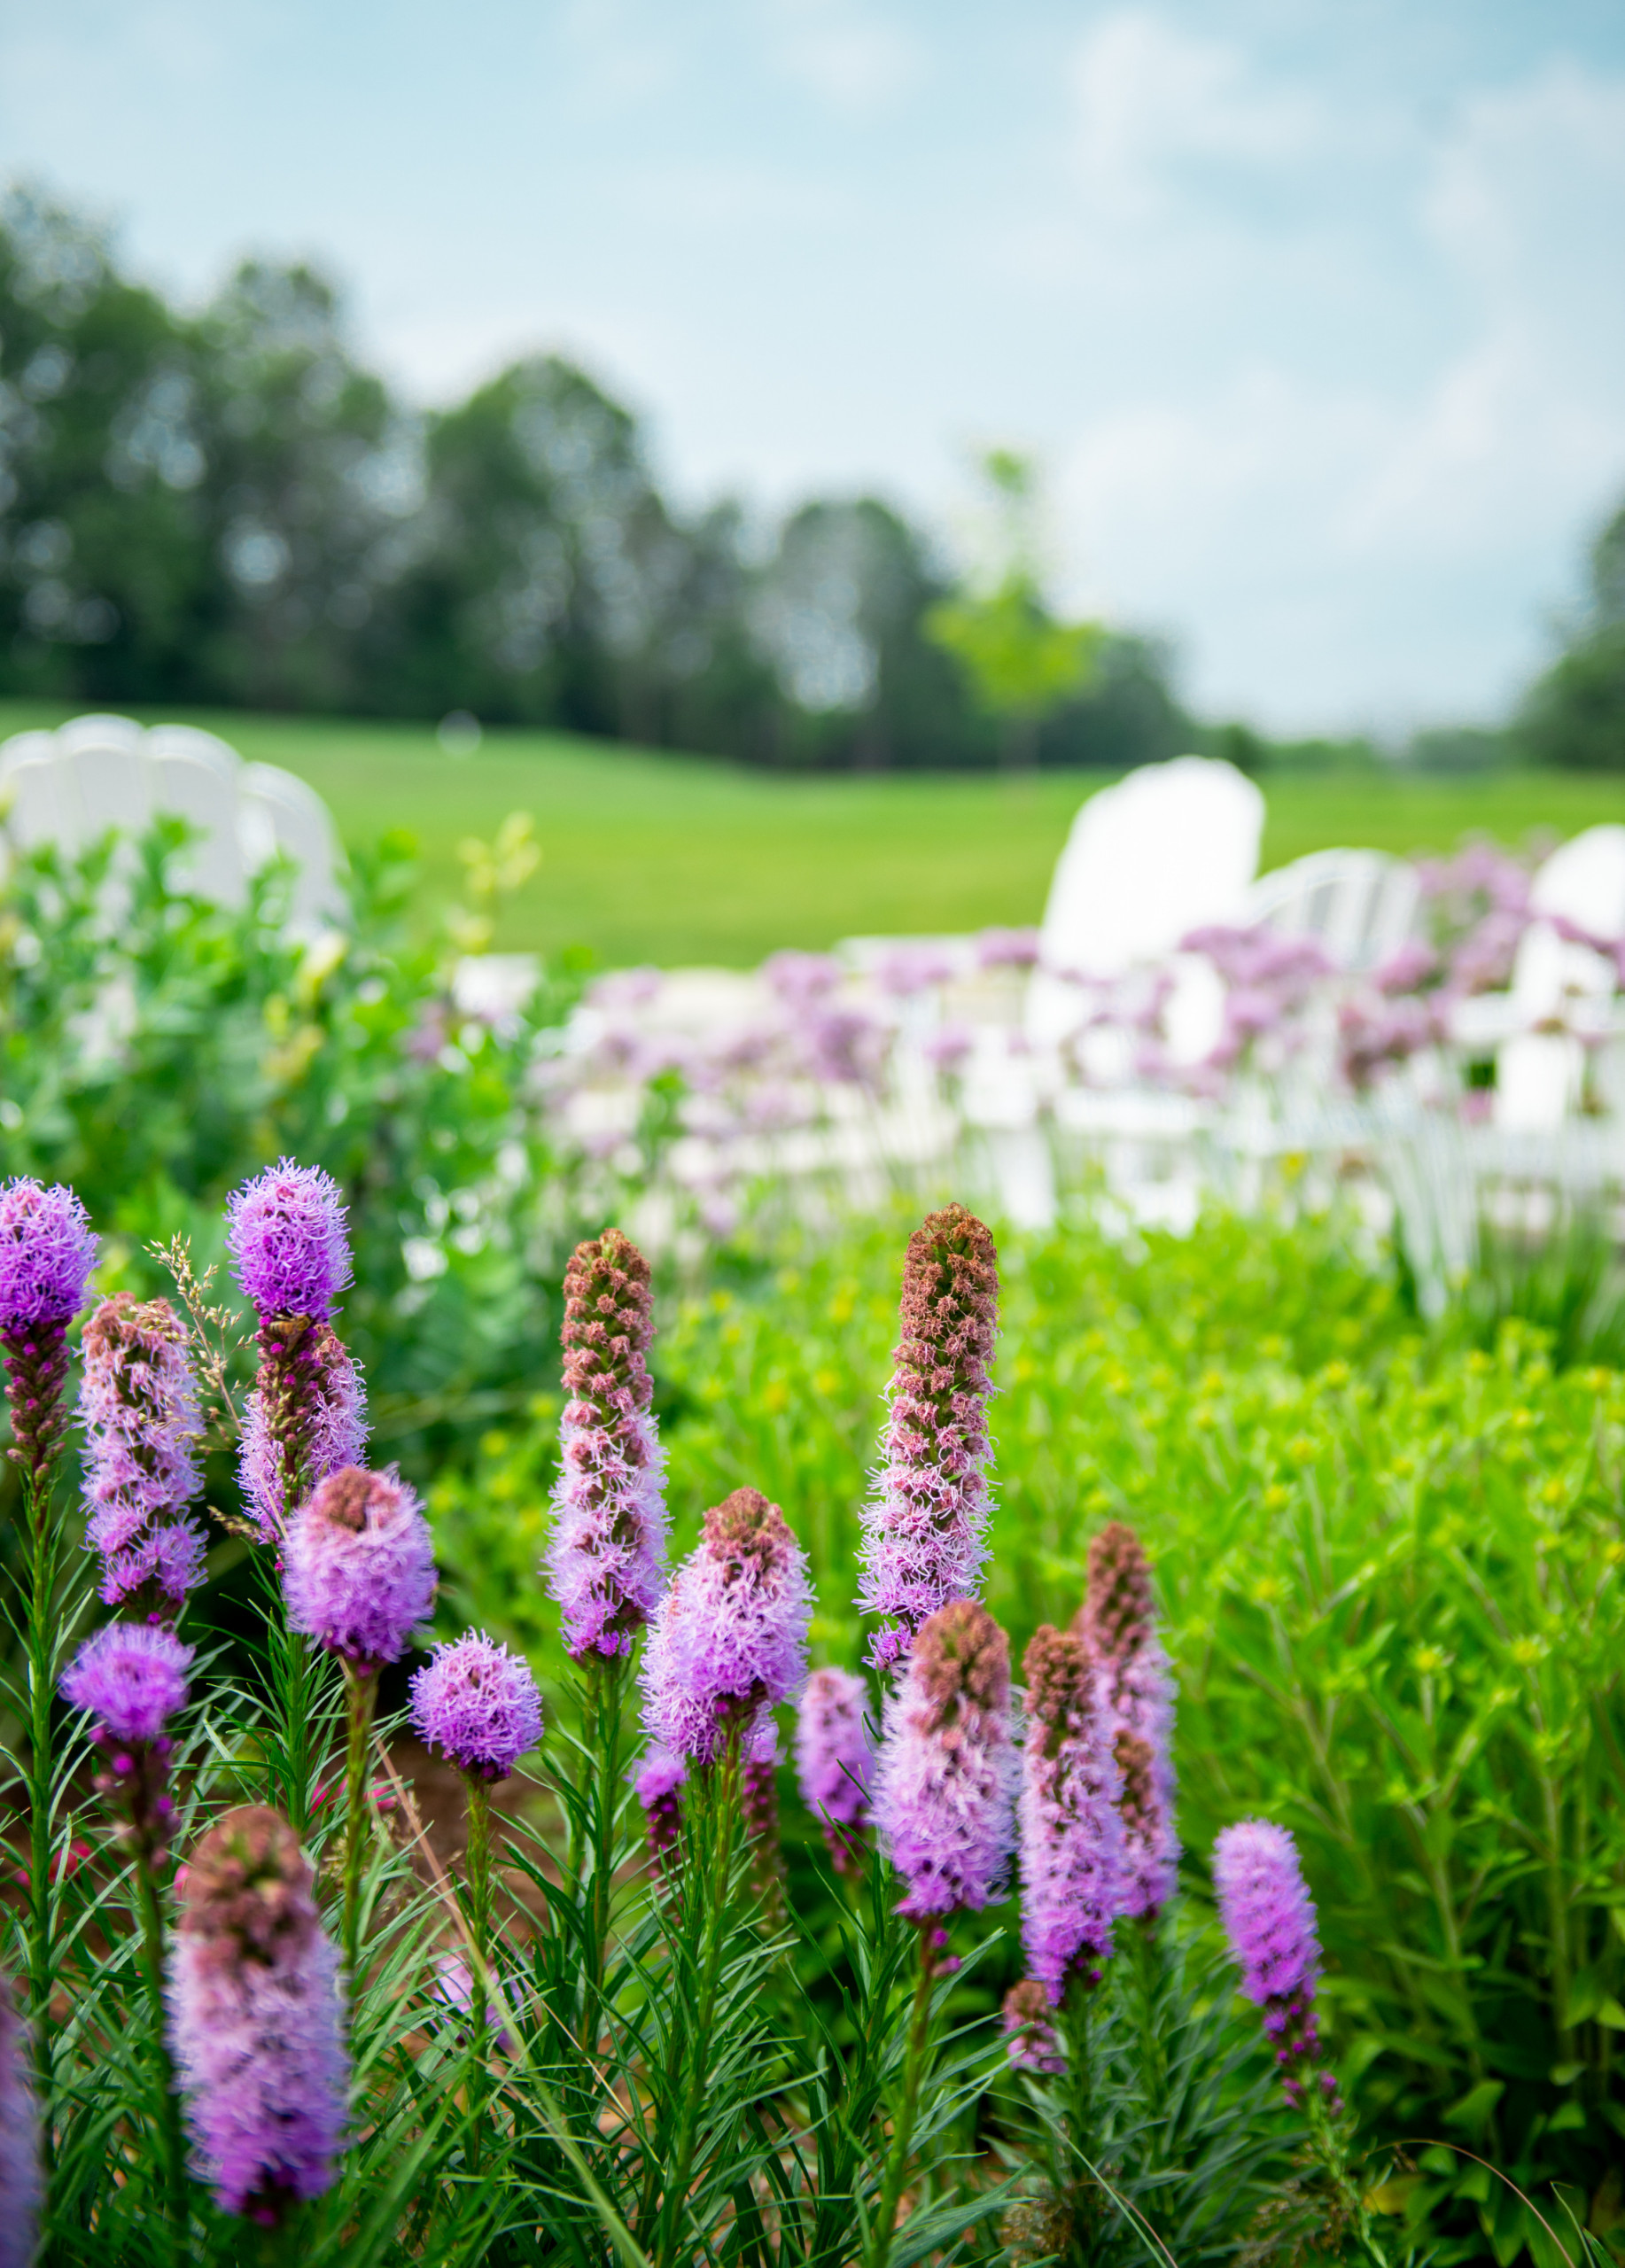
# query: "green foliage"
[[1575, 714]]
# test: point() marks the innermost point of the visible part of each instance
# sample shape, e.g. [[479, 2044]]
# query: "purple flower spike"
[[359, 1572], [925, 1526], [477, 1704], [1031, 2041], [1269, 1918], [660, 1781], [138, 1406], [729, 1642], [834, 1762], [607, 1558], [19, 2137], [256, 2026], [946, 1775], [1071, 1836], [132, 1677], [330, 1419], [47, 1251], [286, 1232], [1117, 1625]]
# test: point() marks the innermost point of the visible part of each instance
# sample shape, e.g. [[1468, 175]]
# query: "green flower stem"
[[361, 1681], [1328, 2139], [478, 1903], [606, 1689], [908, 2109], [174, 2133], [1076, 2029]]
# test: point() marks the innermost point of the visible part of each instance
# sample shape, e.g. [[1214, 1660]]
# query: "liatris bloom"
[[607, 1558], [358, 1572], [1071, 1836], [19, 2138], [286, 1232], [1118, 1624], [1269, 1918], [477, 1704], [132, 1678], [47, 1251], [1031, 2041], [138, 1406], [925, 1525], [729, 1642], [255, 2022], [660, 1781], [947, 1772], [329, 1415], [834, 1762]]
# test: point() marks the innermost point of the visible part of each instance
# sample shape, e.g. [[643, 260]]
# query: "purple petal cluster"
[[285, 1232], [925, 1525], [1118, 1627], [19, 2138], [834, 1760], [358, 1571], [1031, 2041], [660, 1781], [1269, 1918], [138, 1406], [607, 1557], [1071, 1834], [729, 1642], [945, 1781], [256, 2025], [47, 1251], [131, 1676], [332, 1428], [477, 1704]]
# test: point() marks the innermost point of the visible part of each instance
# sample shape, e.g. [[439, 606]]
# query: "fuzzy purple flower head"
[[359, 1566], [1071, 1835], [47, 1251], [945, 1781], [925, 1525], [479, 1705], [1269, 1918], [659, 1779], [286, 1232], [729, 1642], [19, 2137], [1031, 2041], [256, 2024], [834, 1762], [331, 1421], [138, 1406], [607, 1557], [131, 1676], [1118, 1624]]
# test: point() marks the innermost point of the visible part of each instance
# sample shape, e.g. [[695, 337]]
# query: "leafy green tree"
[[1574, 715]]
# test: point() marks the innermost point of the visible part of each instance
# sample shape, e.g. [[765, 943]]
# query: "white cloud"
[[845, 56]]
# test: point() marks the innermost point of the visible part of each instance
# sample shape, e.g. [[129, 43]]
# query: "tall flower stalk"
[[835, 1763], [942, 1800], [925, 1524], [47, 1251], [359, 1578], [606, 1559], [1117, 1625], [131, 1678], [138, 1406]]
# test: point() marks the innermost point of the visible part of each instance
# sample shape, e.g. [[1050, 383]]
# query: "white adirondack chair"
[[1539, 1074], [1359, 905]]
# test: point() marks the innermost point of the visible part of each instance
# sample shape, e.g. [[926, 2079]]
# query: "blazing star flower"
[[47, 1251], [946, 1773], [256, 2026], [331, 1421], [1269, 1918], [607, 1558], [477, 1704], [834, 1762], [286, 1232], [925, 1526], [1071, 1836], [359, 1572], [19, 2137], [138, 1406], [131, 1676], [1118, 1624], [1031, 2041], [659, 1780], [729, 1642]]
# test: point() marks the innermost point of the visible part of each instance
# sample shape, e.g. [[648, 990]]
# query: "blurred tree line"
[[225, 508]]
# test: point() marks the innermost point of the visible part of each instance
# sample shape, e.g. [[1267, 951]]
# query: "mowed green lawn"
[[674, 860]]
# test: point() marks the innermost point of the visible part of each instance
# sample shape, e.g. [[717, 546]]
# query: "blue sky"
[[1314, 312]]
